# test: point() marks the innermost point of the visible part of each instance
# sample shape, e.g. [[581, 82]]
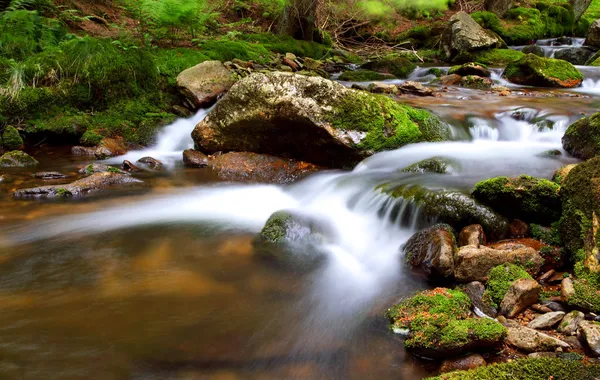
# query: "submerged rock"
[[107, 148], [461, 364], [151, 162], [49, 175], [582, 139], [100, 168], [464, 35], [525, 197], [532, 70], [17, 159], [431, 165], [415, 88], [252, 167], [204, 83], [474, 264], [87, 186], [311, 119], [432, 250], [476, 82]]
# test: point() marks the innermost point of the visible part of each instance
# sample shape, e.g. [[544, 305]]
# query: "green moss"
[[545, 72], [227, 50], [11, 139], [276, 228], [62, 192], [17, 159], [89, 169], [393, 64], [112, 169], [587, 288], [362, 76], [501, 278], [435, 71], [496, 57], [582, 138], [547, 235], [285, 44], [528, 369], [90, 138], [432, 165], [525, 197]]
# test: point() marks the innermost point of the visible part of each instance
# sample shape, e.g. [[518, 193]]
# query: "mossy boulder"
[[395, 65], [529, 369], [203, 83], [526, 198], [431, 165], [575, 55], [10, 139], [470, 68], [438, 325], [532, 70], [312, 119], [586, 294], [288, 227], [451, 207], [501, 278], [432, 251], [582, 139], [476, 82], [17, 159], [464, 35], [363, 76]]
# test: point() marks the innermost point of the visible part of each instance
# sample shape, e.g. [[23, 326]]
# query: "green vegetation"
[[528, 369], [362, 76], [394, 64], [17, 159], [501, 278], [276, 228], [547, 235], [10, 139], [493, 57]]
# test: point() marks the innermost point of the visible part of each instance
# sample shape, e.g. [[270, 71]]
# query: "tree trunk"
[[299, 19]]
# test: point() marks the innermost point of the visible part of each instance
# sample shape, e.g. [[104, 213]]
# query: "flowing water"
[[166, 284]]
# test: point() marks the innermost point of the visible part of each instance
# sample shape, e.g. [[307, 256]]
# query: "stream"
[[163, 283]]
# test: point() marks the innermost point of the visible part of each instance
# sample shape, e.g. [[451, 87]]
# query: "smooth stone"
[[546, 321], [462, 364], [521, 294], [472, 235], [570, 322], [432, 251], [531, 340], [151, 162], [541, 308], [555, 306], [194, 159], [590, 331], [566, 288]]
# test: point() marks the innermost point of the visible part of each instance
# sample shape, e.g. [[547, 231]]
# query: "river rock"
[[590, 331], [532, 70], [570, 322], [87, 186], [464, 35], [109, 147], [432, 251], [204, 83], [438, 165], [534, 49], [450, 80], [582, 139], [593, 36], [252, 167], [463, 364], [476, 82], [474, 264], [546, 321], [575, 55], [415, 88], [49, 175], [527, 198], [17, 159], [471, 68], [129, 166], [100, 168], [579, 7], [475, 290], [499, 7], [383, 88], [472, 235], [520, 295], [311, 119], [195, 159], [151, 162], [530, 340], [10, 139]]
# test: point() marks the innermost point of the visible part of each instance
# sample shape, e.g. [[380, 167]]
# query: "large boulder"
[[582, 139], [252, 167], [575, 55], [579, 7], [311, 119], [451, 207], [593, 36], [432, 251], [474, 264], [204, 83], [464, 35], [93, 184], [437, 324], [527, 198], [532, 70], [499, 7], [17, 159]]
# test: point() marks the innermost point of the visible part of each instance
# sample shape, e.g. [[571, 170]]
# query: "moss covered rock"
[[437, 323], [430, 165], [10, 139], [398, 66], [432, 251], [288, 227], [532, 70], [501, 278], [474, 81], [492, 57], [363, 76], [593, 36], [526, 198], [17, 159], [203, 83], [470, 68], [582, 139], [313, 120]]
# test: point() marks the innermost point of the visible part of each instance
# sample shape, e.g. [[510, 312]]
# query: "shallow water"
[[166, 283]]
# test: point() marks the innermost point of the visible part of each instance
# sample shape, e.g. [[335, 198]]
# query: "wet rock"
[[464, 35], [475, 290], [100, 168], [590, 331], [518, 229], [532, 70], [153, 163], [399, 67], [541, 308], [204, 83], [555, 306], [311, 119], [474, 264], [566, 289], [593, 36], [415, 88], [110, 148], [462, 364], [530, 340], [287, 227], [181, 111], [479, 83], [472, 235], [525, 197], [546, 321], [499, 7], [49, 175], [521, 294], [194, 159], [471, 68], [87, 186], [10, 139], [290, 63], [432, 251], [570, 322], [129, 166], [534, 49], [382, 88], [546, 276], [252, 167], [575, 55], [431, 165], [450, 80], [17, 159], [83, 151], [582, 139], [592, 317]]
